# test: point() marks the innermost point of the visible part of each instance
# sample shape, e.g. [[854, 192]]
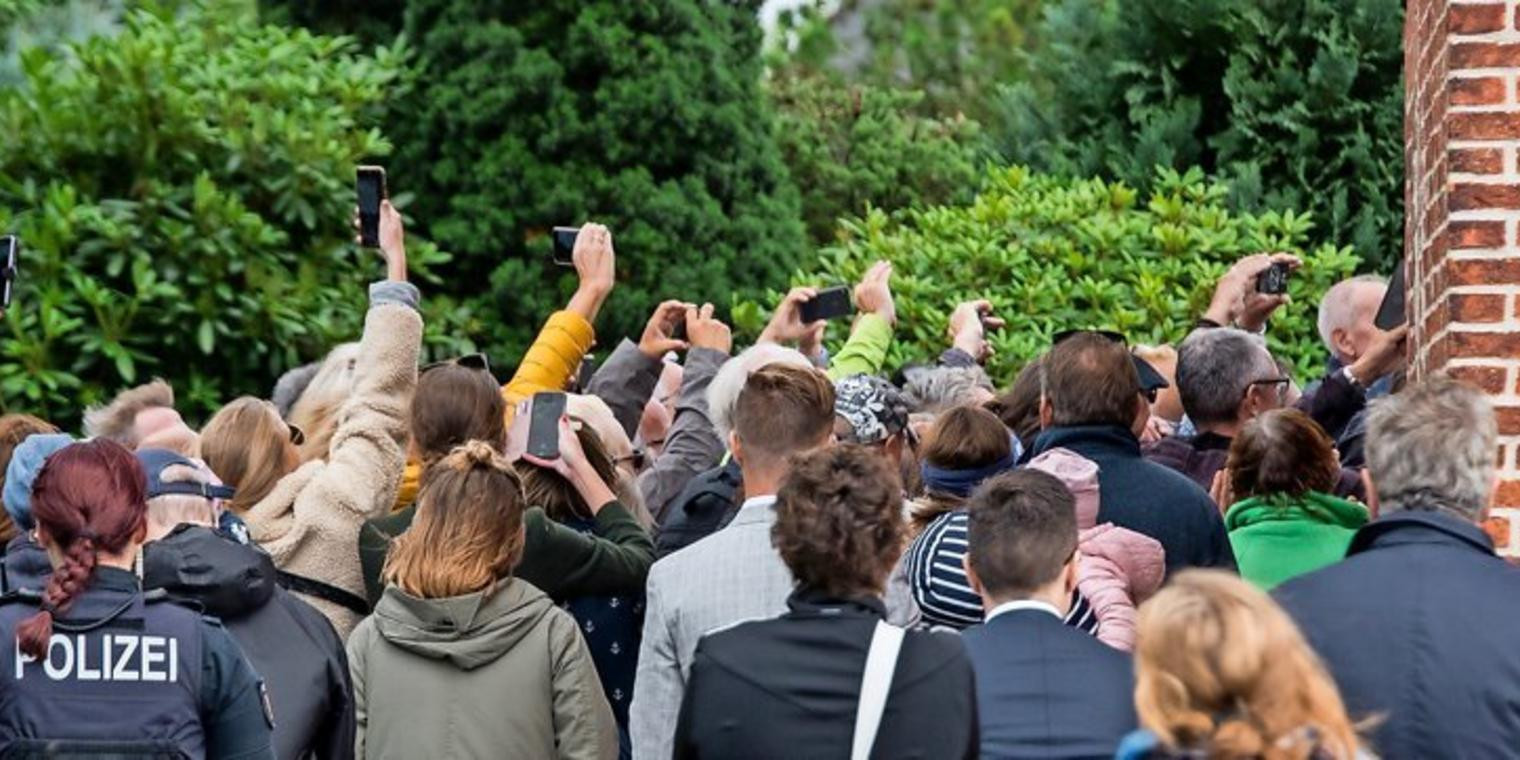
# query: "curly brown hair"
[[839, 521]]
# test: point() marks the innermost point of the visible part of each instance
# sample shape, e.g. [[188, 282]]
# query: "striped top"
[[939, 585]]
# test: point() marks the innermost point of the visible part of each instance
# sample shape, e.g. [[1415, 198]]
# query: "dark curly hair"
[[839, 521]]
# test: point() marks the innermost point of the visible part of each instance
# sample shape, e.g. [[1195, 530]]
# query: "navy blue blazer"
[[1047, 690]]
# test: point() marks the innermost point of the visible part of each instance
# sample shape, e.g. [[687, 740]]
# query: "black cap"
[[155, 461], [1150, 379]]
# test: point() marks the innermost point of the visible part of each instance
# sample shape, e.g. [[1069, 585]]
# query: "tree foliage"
[[1053, 253], [648, 117], [855, 147], [183, 191], [1297, 104]]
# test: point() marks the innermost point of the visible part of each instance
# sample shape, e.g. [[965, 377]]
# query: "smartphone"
[[564, 245], [1274, 281], [370, 184], [543, 427], [828, 304], [1390, 314], [9, 247]]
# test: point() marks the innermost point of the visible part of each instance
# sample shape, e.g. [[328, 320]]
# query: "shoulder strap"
[[875, 684], [324, 591]]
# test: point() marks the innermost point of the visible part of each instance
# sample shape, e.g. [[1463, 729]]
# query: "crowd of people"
[[1132, 552]]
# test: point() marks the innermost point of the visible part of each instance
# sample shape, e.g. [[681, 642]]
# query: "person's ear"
[[1047, 413], [976, 583], [1071, 573], [1340, 338], [736, 448]]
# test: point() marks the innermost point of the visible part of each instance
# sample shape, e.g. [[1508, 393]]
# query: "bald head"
[[1346, 313]]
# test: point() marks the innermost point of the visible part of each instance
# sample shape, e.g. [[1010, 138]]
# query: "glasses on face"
[[1278, 384], [634, 459], [477, 362], [1151, 394], [1111, 335]]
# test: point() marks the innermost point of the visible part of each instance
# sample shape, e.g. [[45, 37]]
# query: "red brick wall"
[[1462, 200]]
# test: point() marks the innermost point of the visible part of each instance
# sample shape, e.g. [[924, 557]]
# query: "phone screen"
[[1391, 313], [8, 249], [564, 245], [370, 184], [1274, 281], [828, 304], [543, 428]]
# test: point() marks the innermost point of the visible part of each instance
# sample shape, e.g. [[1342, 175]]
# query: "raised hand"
[[657, 339], [968, 328], [786, 325], [596, 266], [705, 332], [392, 240], [874, 293]]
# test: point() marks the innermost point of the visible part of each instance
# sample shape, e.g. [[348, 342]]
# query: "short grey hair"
[[936, 389], [723, 393], [1215, 368], [1433, 448], [1337, 310]]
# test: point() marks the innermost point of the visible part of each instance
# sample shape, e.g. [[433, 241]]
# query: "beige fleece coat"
[[310, 522]]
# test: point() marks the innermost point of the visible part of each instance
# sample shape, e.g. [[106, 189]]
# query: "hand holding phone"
[[563, 239], [369, 183], [830, 303], [543, 426], [1274, 279]]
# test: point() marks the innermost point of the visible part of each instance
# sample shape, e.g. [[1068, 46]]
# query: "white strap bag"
[[875, 683]]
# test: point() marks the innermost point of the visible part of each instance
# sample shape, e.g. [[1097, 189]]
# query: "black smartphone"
[[543, 429], [1274, 281], [830, 303], [564, 245], [370, 184], [9, 247], [1390, 314]]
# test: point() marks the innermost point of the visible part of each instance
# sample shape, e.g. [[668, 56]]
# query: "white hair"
[[1431, 447], [1337, 310], [723, 393], [173, 509]]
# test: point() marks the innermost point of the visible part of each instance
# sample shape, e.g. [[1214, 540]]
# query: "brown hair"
[[1282, 451], [1021, 531], [964, 438], [87, 499], [1221, 669], [1019, 407], [248, 446], [839, 524], [558, 497], [783, 410], [118, 419], [15, 428], [468, 533], [1090, 379], [454, 404]]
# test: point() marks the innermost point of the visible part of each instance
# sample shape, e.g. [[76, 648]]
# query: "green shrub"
[[1053, 253], [183, 191], [854, 147], [1294, 103], [648, 117]]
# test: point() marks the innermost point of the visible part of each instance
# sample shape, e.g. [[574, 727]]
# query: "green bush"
[[854, 147], [1296, 104], [183, 191], [1052, 253], [648, 117]]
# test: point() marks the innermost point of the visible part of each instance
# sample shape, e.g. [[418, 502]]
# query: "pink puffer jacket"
[[1119, 568]]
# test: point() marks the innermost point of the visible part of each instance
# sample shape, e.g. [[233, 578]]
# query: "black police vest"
[[126, 684]]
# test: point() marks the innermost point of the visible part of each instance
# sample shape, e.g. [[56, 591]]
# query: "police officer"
[[93, 663]]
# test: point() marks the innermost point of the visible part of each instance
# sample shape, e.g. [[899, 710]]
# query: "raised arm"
[[629, 376], [692, 445], [865, 351]]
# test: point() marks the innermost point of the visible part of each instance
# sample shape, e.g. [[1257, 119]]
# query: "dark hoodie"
[[288, 642], [500, 673]]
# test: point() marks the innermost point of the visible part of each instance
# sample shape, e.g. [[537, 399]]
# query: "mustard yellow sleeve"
[[552, 360]]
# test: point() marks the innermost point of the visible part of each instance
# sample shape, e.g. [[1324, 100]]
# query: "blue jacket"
[[1146, 497], [1419, 625], [1045, 689]]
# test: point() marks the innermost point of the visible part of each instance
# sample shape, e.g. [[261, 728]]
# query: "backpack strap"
[[875, 684], [324, 591]]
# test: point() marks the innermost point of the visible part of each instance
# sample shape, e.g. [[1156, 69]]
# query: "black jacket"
[[1146, 497], [708, 503], [789, 687], [290, 644], [1418, 625], [1045, 689], [25, 565]]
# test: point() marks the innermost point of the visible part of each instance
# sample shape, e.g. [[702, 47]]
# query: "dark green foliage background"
[[1296, 103]]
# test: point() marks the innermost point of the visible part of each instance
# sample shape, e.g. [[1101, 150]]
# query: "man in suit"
[[735, 574], [1043, 688]]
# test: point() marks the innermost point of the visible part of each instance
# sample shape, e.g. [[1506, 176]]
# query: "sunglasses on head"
[[477, 362], [1111, 335]]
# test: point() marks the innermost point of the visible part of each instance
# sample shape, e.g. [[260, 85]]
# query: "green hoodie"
[[1279, 537], [499, 674]]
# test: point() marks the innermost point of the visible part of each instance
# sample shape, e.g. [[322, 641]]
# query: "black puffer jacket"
[[290, 644], [706, 506]]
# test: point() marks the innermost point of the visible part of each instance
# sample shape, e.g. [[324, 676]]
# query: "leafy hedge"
[[1295, 103], [183, 191], [1052, 253]]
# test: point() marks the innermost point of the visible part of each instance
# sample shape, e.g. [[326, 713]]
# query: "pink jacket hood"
[[1080, 475]]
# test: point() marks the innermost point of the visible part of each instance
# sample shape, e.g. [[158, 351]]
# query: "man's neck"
[[761, 482], [1054, 595]]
